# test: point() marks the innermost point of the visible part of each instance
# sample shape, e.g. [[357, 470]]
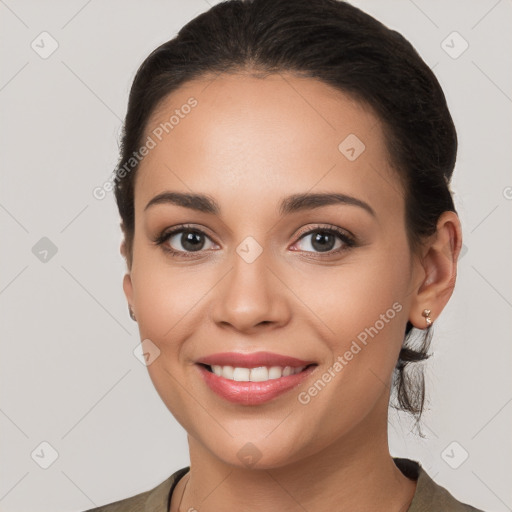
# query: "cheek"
[[363, 310], [363, 305], [164, 294], [158, 300], [168, 303], [353, 297]]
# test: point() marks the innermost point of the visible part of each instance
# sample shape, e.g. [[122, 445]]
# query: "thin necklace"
[[183, 493]]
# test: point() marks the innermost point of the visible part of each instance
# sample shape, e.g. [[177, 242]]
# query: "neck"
[[354, 473]]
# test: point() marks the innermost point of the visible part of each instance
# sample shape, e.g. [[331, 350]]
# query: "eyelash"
[[348, 240]]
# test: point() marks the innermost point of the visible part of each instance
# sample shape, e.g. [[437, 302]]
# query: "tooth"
[[241, 374], [217, 370], [259, 374], [227, 372], [275, 372]]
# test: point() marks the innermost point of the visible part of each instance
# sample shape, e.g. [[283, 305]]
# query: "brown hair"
[[344, 47]]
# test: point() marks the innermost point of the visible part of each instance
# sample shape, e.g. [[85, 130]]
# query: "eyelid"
[[325, 227]]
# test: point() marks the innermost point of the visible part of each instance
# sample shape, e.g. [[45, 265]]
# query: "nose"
[[251, 297]]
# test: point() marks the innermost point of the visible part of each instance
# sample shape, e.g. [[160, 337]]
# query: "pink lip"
[[252, 393], [253, 360]]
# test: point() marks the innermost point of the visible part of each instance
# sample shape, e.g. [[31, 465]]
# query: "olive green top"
[[429, 496]]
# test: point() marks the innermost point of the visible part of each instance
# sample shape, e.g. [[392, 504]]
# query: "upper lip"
[[252, 360]]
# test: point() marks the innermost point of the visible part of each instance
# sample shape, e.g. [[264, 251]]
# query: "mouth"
[[258, 374], [253, 379]]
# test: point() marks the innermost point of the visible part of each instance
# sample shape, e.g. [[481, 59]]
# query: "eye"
[[184, 241], [330, 240]]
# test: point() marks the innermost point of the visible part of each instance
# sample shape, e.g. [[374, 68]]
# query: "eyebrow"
[[291, 204]]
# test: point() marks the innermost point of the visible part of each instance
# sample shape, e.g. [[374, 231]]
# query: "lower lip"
[[252, 393]]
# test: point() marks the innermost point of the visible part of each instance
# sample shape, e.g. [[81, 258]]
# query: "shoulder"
[[152, 500], [430, 496]]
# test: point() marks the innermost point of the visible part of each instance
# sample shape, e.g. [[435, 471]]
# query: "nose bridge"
[[250, 294]]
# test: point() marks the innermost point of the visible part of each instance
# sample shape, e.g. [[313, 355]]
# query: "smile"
[[252, 379], [259, 374]]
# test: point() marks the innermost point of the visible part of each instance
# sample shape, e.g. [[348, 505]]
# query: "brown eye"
[[187, 240], [322, 241], [184, 241], [325, 241]]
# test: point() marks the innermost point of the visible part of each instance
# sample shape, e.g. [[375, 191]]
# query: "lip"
[[254, 360], [252, 393]]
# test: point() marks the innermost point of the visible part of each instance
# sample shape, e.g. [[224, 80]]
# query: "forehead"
[[247, 138]]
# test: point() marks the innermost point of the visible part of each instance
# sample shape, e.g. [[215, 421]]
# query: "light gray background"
[[68, 373]]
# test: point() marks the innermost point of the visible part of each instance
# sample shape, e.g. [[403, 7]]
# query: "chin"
[[258, 453]]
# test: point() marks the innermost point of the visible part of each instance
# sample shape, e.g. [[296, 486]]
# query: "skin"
[[249, 143]]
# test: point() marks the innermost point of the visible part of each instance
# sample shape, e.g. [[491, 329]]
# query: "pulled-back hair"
[[340, 45]]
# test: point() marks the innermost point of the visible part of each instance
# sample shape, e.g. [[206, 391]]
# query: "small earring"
[[132, 316], [426, 314]]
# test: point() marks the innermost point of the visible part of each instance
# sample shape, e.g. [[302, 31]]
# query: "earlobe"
[[439, 272]]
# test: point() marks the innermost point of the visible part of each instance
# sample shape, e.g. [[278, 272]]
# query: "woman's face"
[[261, 274]]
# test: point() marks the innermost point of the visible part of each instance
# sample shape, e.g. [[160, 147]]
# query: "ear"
[[438, 271], [128, 289], [127, 280]]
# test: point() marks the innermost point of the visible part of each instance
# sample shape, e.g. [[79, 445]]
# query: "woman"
[[289, 233]]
